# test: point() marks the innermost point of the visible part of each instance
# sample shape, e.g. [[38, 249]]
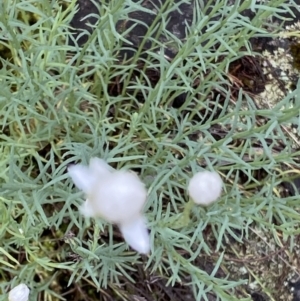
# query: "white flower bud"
[[19, 293], [205, 187], [116, 196], [86, 177], [136, 234]]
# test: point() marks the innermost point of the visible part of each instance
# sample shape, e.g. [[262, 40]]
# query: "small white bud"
[[19, 293], [136, 235], [85, 177], [205, 187], [81, 177]]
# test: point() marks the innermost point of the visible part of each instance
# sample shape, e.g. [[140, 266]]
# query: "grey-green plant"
[[56, 109]]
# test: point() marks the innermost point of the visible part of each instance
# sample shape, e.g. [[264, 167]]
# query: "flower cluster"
[[119, 196], [115, 195]]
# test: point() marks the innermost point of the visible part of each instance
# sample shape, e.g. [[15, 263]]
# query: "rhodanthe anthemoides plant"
[[118, 196], [19, 293]]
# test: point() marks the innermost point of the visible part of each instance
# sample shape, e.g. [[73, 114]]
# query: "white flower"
[[205, 187], [115, 195], [136, 234], [19, 293]]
